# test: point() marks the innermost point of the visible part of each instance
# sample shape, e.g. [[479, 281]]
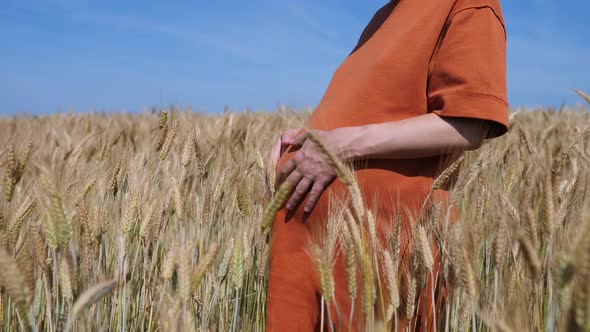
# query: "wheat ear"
[[20, 217], [243, 198], [183, 272], [12, 281], [163, 119], [91, 296], [278, 200], [204, 263], [423, 248], [225, 261], [350, 262], [583, 95], [531, 256], [324, 267], [391, 282], [443, 179]]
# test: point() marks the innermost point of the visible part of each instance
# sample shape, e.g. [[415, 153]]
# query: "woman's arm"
[[309, 172], [421, 136]]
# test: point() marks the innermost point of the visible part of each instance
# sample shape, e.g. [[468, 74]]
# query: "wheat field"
[[158, 222]]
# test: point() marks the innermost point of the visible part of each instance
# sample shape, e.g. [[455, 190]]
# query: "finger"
[[274, 154], [294, 178], [286, 170], [272, 160], [299, 194], [314, 196], [288, 136], [287, 140], [300, 139]]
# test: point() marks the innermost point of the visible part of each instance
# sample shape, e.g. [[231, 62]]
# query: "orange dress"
[[447, 57]]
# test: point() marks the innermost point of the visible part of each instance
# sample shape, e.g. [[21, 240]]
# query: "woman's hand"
[[308, 171], [277, 151]]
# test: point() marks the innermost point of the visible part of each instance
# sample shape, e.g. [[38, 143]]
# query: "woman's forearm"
[[418, 137]]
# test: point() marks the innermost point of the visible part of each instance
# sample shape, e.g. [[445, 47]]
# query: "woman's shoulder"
[[494, 5]]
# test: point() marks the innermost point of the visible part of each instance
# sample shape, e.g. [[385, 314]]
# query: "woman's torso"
[[385, 79]]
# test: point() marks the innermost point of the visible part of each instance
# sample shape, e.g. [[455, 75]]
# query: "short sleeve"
[[467, 76]]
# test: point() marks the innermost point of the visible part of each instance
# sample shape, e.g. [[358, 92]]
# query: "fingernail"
[[289, 206], [306, 210]]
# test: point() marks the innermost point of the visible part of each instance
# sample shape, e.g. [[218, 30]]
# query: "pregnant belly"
[[387, 186]]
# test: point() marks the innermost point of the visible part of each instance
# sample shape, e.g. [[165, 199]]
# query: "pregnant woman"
[[426, 80]]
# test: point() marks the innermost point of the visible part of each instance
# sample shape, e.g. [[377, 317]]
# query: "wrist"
[[346, 142]]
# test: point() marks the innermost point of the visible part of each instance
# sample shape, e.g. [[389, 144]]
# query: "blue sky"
[[126, 55]]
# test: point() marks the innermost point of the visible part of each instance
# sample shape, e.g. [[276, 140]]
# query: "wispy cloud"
[[266, 39], [304, 12], [208, 40]]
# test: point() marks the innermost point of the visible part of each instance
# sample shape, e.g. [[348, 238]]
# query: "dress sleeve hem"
[[462, 104]]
